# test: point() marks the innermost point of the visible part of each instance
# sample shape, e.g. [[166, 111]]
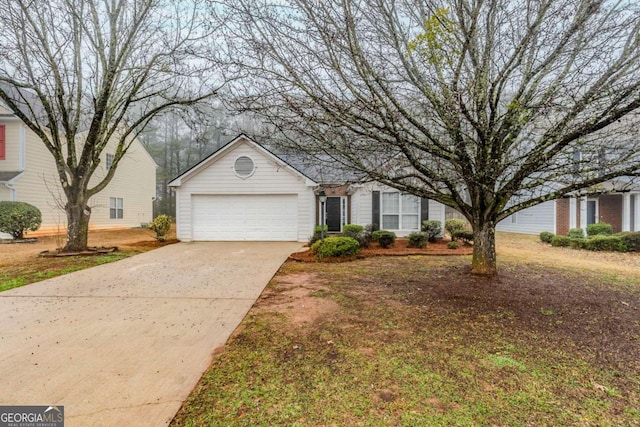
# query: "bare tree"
[[82, 74], [487, 106]]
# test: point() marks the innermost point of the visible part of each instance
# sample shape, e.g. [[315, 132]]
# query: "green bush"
[[375, 235], [577, 243], [433, 228], [357, 232], [385, 238], [576, 233], [631, 241], [561, 241], [546, 236], [161, 226], [599, 229], [455, 224], [605, 243], [417, 240], [452, 245], [465, 235], [335, 247], [18, 217], [352, 229], [317, 234]]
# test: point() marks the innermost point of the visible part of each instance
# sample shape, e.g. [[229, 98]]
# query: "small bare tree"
[[83, 74], [487, 106]]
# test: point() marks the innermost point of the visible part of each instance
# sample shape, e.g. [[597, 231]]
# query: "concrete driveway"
[[125, 343]]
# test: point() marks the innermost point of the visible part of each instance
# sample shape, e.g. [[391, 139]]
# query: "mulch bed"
[[399, 248], [88, 252]]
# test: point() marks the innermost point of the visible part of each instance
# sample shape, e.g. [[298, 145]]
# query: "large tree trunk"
[[78, 215], [484, 249]]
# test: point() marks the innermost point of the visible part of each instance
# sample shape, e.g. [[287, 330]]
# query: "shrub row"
[[621, 242], [342, 245]]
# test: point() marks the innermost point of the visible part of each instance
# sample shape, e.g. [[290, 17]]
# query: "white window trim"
[[252, 171], [114, 201], [108, 164], [400, 213]]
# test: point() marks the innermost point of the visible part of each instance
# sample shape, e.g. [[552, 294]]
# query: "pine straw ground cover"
[[419, 341]]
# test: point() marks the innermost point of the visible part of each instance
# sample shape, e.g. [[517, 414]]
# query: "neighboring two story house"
[[28, 174]]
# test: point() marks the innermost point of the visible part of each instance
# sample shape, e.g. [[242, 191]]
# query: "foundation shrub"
[[418, 239], [546, 236], [433, 228], [385, 238], [465, 236], [599, 229], [576, 233], [631, 241], [561, 241], [605, 243], [454, 224], [335, 247]]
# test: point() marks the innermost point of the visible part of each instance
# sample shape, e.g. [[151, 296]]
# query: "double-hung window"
[[109, 161], [400, 211], [116, 208]]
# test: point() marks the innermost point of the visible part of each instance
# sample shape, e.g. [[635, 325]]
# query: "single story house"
[[28, 174], [245, 192]]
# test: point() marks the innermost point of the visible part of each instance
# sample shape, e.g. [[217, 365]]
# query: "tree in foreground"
[[488, 107], [82, 74]]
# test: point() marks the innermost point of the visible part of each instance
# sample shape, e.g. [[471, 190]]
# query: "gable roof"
[[241, 138]]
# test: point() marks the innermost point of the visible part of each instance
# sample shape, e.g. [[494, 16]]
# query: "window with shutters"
[[400, 211], [244, 167]]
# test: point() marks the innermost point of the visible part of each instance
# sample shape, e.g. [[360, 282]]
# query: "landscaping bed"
[[399, 248]]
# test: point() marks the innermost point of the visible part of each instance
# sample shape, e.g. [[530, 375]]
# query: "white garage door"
[[245, 217]]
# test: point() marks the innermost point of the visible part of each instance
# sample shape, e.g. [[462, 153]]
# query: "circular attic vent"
[[244, 167]]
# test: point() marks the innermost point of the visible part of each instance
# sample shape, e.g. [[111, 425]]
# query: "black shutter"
[[375, 211], [424, 210]]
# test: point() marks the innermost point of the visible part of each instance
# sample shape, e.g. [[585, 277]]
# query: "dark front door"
[[333, 214]]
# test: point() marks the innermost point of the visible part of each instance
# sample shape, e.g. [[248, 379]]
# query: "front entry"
[[334, 216]]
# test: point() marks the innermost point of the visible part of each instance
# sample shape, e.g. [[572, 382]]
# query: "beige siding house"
[[28, 174]]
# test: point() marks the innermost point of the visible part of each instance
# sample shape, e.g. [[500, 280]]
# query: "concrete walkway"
[[124, 343]]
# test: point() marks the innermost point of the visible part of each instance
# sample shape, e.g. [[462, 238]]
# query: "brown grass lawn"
[[419, 341]]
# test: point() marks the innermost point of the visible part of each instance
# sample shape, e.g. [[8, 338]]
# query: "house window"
[[2, 142], [514, 218], [400, 211], [116, 209], [109, 162], [244, 167]]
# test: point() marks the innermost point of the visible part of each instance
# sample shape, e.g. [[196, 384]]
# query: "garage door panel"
[[245, 217]]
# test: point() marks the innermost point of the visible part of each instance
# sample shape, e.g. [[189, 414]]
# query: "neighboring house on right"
[[614, 204]]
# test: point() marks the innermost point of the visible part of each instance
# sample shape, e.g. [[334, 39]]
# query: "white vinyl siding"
[[533, 220], [217, 176]]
